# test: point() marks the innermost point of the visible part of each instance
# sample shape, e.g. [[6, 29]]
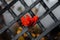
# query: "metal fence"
[[28, 9]]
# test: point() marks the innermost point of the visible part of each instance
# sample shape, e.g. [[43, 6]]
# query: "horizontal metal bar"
[[51, 14], [18, 17], [48, 11], [8, 6], [20, 34], [48, 30]]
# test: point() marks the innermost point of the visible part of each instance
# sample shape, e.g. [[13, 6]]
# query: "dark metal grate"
[[28, 9]]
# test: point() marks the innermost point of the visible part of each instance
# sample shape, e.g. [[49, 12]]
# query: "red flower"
[[28, 21]]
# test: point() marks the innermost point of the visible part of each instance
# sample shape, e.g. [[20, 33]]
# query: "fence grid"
[[28, 9]]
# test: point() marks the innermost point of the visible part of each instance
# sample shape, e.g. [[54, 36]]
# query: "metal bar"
[[13, 2], [26, 6], [4, 3], [41, 26], [48, 11], [48, 30], [10, 10], [20, 34], [12, 13], [51, 14], [59, 1], [29, 34], [8, 6]]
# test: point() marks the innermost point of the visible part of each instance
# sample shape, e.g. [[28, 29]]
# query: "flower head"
[[28, 21]]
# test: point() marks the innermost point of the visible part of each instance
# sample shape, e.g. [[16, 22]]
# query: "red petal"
[[35, 18]]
